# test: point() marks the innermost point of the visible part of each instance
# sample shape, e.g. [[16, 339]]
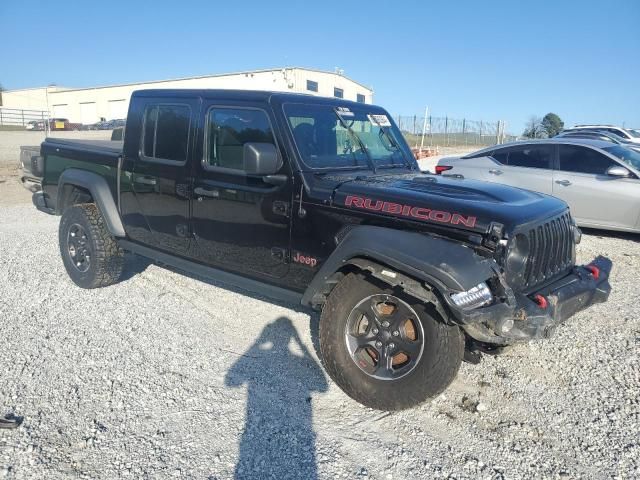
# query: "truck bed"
[[87, 152], [42, 169], [103, 146]]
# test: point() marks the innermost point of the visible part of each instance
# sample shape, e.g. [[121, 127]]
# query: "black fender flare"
[[100, 192], [445, 265]]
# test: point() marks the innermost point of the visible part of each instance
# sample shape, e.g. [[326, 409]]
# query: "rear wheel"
[[90, 254], [384, 348]]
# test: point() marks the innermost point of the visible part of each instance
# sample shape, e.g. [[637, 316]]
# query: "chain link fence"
[[451, 132]]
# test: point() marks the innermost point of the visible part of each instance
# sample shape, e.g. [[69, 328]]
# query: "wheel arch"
[[422, 265], [73, 180]]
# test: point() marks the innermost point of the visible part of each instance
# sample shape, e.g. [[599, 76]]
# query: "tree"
[[552, 124], [534, 128]]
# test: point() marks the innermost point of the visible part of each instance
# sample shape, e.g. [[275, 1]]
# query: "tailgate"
[[31, 167]]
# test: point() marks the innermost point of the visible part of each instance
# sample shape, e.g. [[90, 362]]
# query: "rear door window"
[[574, 158], [528, 156], [531, 156], [165, 134]]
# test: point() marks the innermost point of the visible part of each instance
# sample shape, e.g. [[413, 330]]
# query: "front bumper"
[[521, 318]]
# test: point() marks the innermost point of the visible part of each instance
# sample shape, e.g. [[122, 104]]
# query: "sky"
[[489, 60]]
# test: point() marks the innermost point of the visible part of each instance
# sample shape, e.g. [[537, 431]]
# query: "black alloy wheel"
[[384, 337]]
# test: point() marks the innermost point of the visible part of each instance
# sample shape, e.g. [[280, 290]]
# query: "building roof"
[[246, 72]]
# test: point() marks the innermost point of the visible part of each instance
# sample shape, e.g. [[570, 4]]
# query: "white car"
[[628, 134], [599, 180]]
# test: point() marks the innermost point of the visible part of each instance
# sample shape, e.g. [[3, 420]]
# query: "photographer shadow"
[[278, 439]]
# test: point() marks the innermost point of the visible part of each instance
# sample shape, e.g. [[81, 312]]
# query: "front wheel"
[[384, 348], [90, 254]]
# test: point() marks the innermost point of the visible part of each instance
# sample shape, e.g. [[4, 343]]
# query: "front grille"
[[551, 251]]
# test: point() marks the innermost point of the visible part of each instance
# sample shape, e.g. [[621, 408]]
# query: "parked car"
[[599, 135], [624, 133], [598, 179], [63, 124], [36, 125], [109, 124], [320, 202]]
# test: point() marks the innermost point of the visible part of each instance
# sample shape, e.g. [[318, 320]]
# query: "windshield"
[[627, 155], [330, 137], [634, 133]]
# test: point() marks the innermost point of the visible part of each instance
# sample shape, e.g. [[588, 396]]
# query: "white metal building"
[[89, 105]]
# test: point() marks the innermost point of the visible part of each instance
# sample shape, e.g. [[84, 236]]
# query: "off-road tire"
[[434, 371], [106, 257]]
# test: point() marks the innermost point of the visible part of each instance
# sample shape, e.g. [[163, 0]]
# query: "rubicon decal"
[[420, 213]]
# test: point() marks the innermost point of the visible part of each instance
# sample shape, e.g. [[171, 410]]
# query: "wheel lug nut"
[[395, 333], [392, 345], [375, 331], [378, 344], [385, 324]]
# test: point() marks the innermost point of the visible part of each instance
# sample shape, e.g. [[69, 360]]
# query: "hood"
[[461, 203]]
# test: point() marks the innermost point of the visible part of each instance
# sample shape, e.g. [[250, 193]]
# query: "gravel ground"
[[167, 376]]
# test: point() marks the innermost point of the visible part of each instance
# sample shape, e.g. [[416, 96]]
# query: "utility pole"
[[424, 128], [47, 130]]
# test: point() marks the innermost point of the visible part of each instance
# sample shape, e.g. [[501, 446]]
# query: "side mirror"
[[618, 171], [260, 159]]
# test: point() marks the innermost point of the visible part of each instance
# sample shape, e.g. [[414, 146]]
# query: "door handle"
[[565, 183], [205, 192], [145, 180], [495, 171]]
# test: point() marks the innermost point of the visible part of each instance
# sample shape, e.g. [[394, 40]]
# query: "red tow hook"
[[595, 271], [541, 301]]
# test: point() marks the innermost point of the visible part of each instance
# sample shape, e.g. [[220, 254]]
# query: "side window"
[[228, 130], [531, 156], [500, 156], [574, 158], [166, 132]]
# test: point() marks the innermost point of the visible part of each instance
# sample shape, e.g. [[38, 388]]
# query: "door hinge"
[[281, 208]]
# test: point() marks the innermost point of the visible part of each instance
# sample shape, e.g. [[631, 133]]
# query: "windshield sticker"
[[344, 111], [379, 120]]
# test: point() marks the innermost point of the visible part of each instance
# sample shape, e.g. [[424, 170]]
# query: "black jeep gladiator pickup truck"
[[319, 201]]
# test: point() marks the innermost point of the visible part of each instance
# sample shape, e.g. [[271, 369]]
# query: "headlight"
[[517, 254], [577, 233], [476, 297]]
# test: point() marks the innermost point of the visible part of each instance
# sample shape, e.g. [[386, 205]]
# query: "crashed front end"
[[536, 285]]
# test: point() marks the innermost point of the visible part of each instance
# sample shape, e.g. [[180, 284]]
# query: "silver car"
[[599, 180]]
